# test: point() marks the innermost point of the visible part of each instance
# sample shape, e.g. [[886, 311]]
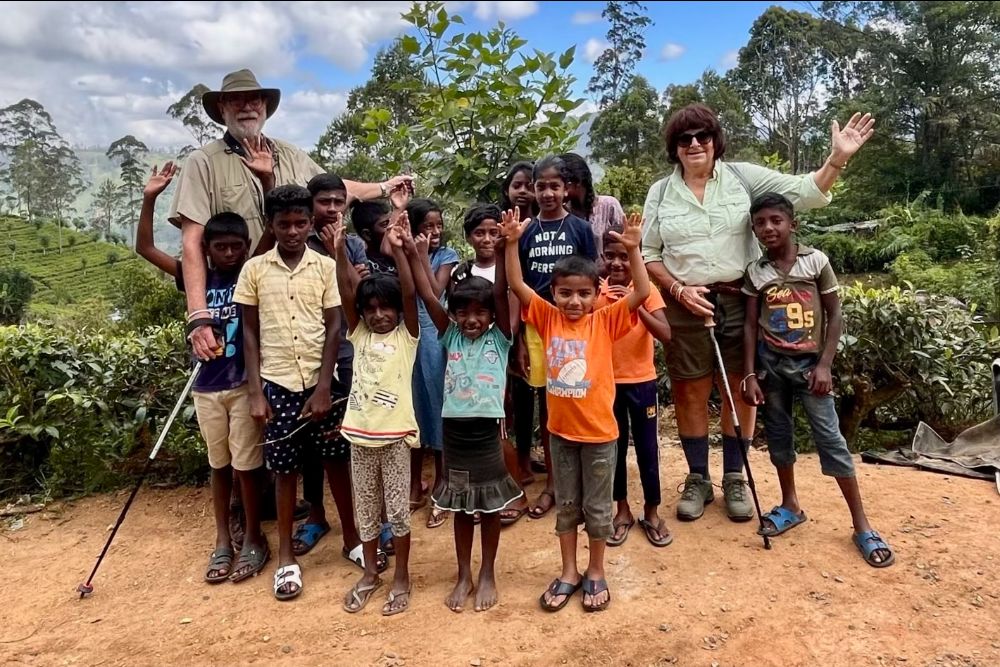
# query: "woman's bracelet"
[[676, 289], [195, 313]]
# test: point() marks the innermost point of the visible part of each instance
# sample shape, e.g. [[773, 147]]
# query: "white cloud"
[[585, 18], [588, 106], [672, 51], [504, 10], [593, 49], [730, 60]]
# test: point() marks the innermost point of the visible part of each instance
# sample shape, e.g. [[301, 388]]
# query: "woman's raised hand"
[[846, 142]]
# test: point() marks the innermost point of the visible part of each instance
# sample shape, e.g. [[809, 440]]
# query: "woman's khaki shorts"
[[690, 354]]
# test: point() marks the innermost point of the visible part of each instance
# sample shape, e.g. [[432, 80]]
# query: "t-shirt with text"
[[380, 406], [580, 382], [229, 370], [476, 373], [791, 312], [544, 242]]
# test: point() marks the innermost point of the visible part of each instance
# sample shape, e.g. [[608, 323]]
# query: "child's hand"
[[260, 410], [821, 380], [159, 181], [362, 270], [510, 228], [616, 292], [316, 406], [333, 234], [752, 393], [421, 244], [632, 235]]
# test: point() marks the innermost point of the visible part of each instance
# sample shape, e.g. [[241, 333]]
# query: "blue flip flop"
[[783, 520], [870, 541], [384, 538], [308, 535]]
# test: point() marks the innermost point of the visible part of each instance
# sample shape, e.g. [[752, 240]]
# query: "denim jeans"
[[783, 379]]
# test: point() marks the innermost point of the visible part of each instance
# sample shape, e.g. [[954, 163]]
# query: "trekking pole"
[[710, 323], [87, 588]]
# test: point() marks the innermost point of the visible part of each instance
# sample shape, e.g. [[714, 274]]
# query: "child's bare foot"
[[463, 589], [486, 593]]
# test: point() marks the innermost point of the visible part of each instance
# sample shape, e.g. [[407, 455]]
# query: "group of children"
[[345, 354]]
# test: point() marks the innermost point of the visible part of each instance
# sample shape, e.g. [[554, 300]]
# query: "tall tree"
[[718, 93], [781, 78], [40, 167], [487, 105], [129, 152], [105, 207], [627, 132], [347, 144], [190, 112], [613, 69]]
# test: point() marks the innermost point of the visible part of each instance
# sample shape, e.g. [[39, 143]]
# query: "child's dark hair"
[[364, 214], [505, 203], [479, 212], [575, 265], [773, 200], [325, 182], [288, 198], [575, 170], [226, 223], [383, 288], [607, 238], [418, 210], [549, 162], [473, 289]]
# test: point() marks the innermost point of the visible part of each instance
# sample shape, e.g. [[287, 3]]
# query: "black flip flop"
[[559, 587], [592, 588], [612, 542], [649, 529]]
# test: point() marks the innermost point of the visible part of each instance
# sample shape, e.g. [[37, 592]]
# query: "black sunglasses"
[[703, 137]]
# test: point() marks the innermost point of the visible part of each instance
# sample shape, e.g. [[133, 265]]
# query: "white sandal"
[[357, 556], [288, 574]]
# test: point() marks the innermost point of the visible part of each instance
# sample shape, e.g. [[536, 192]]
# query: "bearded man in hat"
[[233, 174]]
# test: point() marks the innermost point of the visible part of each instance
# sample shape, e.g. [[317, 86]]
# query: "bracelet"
[[676, 289], [833, 164], [197, 324], [743, 382], [192, 314], [382, 189]]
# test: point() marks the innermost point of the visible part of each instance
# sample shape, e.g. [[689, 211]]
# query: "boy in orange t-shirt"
[[580, 393], [635, 396]]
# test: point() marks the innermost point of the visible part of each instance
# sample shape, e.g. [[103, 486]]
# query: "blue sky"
[[106, 69]]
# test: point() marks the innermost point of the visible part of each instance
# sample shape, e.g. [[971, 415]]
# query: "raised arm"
[[500, 299], [423, 286], [367, 191], [334, 240], [410, 317], [511, 230], [844, 144], [631, 238], [144, 244]]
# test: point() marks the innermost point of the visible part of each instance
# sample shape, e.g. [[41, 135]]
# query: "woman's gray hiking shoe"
[[735, 490], [697, 493]]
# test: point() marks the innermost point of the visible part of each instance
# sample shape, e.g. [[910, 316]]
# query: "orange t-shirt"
[[579, 376], [632, 356]]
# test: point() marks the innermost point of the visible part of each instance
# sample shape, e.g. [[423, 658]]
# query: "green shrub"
[[143, 298], [16, 288], [81, 408]]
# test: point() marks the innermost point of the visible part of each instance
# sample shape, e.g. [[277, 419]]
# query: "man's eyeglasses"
[[240, 100], [703, 137]]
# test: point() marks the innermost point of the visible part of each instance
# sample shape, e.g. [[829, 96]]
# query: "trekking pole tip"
[[84, 590]]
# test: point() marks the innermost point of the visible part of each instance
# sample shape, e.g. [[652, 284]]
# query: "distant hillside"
[[96, 167], [83, 268]]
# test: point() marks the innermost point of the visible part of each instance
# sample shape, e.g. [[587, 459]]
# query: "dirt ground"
[[714, 597]]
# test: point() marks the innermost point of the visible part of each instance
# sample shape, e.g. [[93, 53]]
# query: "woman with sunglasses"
[[697, 242]]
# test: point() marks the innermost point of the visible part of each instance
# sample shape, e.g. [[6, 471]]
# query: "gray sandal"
[[255, 557], [220, 559]]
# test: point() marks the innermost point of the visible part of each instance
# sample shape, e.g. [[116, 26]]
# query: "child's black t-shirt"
[[543, 243], [229, 370]]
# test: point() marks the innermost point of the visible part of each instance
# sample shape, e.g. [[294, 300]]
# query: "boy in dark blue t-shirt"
[[220, 395]]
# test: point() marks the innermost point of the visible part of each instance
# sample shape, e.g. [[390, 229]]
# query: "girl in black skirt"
[[475, 332]]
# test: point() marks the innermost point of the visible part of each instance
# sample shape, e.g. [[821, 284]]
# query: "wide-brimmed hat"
[[242, 81]]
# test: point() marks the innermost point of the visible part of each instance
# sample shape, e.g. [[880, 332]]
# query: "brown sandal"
[[537, 511]]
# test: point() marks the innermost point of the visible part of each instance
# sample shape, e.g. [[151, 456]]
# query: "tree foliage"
[[487, 104], [39, 166], [614, 68], [191, 113], [16, 289], [129, 152], [350, 145], [627, 132]]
